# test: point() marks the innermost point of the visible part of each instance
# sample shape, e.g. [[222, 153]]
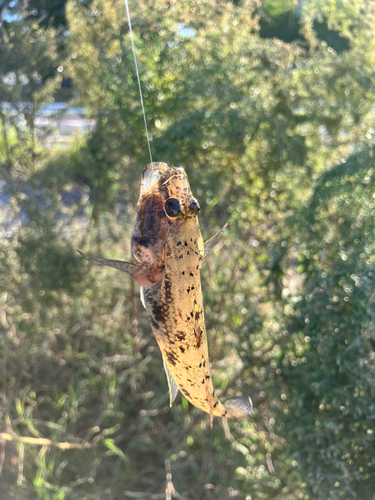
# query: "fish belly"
[[175, 310]]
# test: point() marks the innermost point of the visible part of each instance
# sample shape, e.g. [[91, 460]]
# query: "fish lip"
[[193, 205], [151, 174]]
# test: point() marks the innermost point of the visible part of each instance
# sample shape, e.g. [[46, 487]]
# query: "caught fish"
[[167, 253]]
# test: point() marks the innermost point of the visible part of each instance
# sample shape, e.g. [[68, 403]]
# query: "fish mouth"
[[152, 173]]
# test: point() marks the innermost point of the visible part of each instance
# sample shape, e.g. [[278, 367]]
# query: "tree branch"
[[45, 442]]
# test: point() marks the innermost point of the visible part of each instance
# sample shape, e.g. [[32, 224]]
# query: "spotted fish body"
[[168, 251]]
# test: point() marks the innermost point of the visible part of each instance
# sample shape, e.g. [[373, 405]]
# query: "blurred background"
[[269, 107]]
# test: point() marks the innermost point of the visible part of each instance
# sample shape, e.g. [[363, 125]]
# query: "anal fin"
[[173, 389]]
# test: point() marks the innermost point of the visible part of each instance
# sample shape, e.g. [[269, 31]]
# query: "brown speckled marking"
[[197, 330]]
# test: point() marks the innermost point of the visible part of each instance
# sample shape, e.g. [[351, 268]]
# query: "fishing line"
[[138, 77]]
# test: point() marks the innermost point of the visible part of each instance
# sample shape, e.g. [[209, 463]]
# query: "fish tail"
[[238, 407]]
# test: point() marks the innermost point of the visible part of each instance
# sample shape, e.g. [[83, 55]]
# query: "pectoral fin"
[[173, 389], [140, 272], [209, 244]]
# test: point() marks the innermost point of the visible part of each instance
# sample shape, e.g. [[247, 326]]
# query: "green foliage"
[[257, 124], [334, 367]]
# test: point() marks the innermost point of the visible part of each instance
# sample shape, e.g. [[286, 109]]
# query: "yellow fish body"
[[168, 251]]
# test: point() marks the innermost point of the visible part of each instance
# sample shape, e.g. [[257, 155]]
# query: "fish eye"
[[172, 207]]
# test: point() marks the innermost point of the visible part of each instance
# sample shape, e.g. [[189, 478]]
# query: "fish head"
[[165, 202], [180, 204], [171, 184]]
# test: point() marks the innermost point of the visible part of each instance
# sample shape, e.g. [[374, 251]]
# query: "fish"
[[167, 254]]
